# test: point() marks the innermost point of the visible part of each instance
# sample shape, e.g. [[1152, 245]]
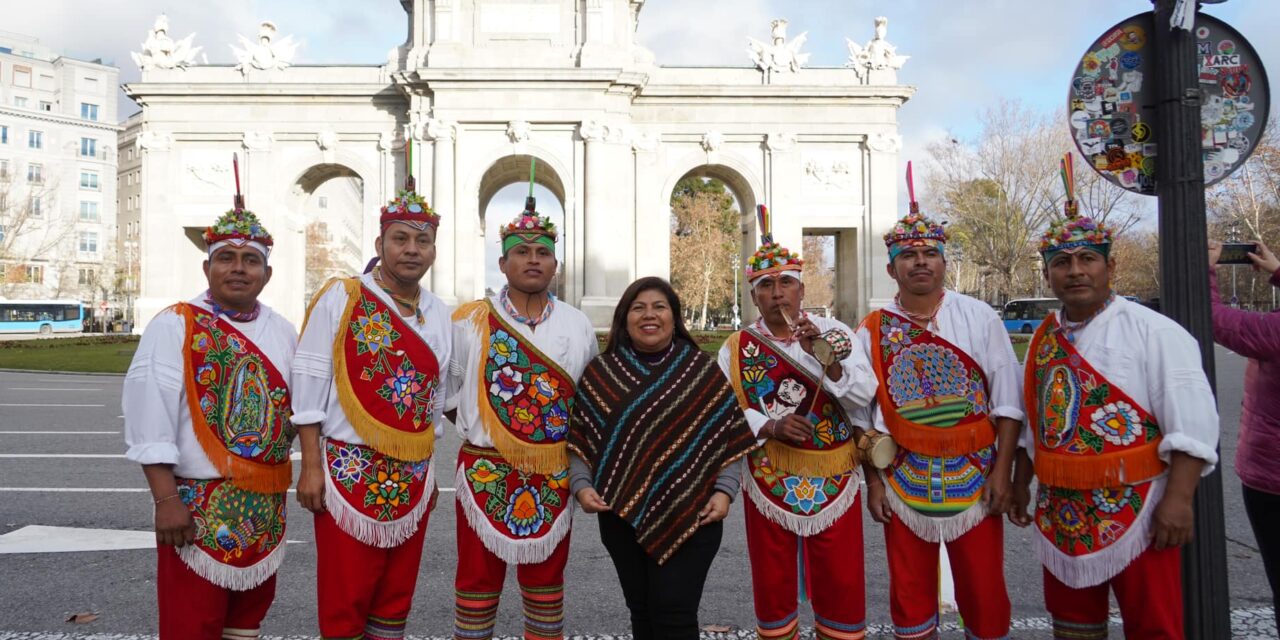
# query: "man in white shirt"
[[804, 527], [516, 359], [206, 409], [949, 396], [369, 376], [1124, 424]]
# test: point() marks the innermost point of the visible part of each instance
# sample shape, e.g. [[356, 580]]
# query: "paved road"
[[57, 421]]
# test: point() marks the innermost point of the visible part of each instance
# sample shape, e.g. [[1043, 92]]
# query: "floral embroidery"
[[234, 526], [373, 333], [1117, 422], [756, 364], [1111, 500], [349, 464], [522, 503], [801, 495], [529, 397], [404, 386], [381, 487], [507, 384], [387, 489], [896, 334], [1082, 522], [804, 493], [525, 513], [503, 348]]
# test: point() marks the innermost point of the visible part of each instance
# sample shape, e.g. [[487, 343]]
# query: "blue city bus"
[[41, 316], [1025, 314]]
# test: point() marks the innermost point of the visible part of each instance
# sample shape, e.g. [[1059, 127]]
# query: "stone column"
[[159, 241], [444, 274], [881, 211], [595, 302], [653, 228]]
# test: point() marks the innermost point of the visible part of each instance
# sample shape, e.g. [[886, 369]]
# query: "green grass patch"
[[97, 354]]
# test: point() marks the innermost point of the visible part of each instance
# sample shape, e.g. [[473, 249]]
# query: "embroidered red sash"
[[239, 533], [768, 380], [933, 395], [376, 498], [520, 516], [1089, 433], [525, 397], [239, 403], [387, 376]]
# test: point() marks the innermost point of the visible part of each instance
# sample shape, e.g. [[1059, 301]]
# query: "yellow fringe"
[[735, 369], [386, 439], [249, 475], [808, 462], [525, 456]]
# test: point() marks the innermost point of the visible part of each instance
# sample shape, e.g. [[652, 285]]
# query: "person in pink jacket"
[[1256, 336]]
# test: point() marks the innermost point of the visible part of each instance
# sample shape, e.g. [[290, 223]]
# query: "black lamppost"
[[1184, 296]]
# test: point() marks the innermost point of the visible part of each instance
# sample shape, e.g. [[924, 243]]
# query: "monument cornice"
[[47, 116]]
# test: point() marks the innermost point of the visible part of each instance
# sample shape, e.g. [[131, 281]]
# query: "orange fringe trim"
[[810, 462], [1108, 470], [957, 440], [385, 438], [249, 475], [538, 458]]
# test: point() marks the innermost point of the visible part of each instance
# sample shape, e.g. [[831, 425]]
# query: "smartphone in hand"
[[1237, 252]]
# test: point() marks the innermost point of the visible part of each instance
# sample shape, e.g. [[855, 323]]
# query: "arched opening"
[[503, 189], [331, 206], [712, 234]]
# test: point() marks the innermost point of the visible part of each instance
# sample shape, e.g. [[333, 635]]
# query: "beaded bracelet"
[[159, 500]]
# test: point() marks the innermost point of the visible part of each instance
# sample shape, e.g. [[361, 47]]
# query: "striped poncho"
[[655, 437]]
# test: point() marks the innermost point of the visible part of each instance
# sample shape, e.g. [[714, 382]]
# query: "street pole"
[[1184, 297]]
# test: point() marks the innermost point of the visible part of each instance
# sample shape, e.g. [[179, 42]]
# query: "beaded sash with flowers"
[[239, 403], [520, 516], [758, 373], [525, 398], [376, 498], [386, 375], [239, 539], [934, 397], [804, 505]]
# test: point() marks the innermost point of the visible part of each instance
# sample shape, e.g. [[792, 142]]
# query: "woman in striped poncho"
[[657, 440]]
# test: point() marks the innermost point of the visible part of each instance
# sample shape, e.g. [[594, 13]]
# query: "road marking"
[[61, 455], [43, 539], [21, 404], [50, 389], [57, 433], [114, 490]]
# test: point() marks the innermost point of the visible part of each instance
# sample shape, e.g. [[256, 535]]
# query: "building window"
[[20, 102], [4, 169], [87, 276], [35, 139], [88, 148], [35, 273], [4, 134], [323, 202], [88, 242], [88, 211], [89, 111], [37, 207], [35, 173], [21, 76], [89, 180], [3, 230], [46, 106], [130, 153]]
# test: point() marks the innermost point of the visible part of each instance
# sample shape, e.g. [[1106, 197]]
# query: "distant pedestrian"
[[1256, 336]]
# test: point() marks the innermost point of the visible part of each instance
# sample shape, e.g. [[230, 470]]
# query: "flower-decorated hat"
[[914, 229], [238, 227], [1073, 232], [529, 226], [408, 207], [771, 258]]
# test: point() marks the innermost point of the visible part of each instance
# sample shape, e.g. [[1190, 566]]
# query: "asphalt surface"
[[39, 591]]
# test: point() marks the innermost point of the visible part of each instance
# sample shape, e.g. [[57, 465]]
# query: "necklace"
[[929, 319], [231, 314], [408, 303], [1071, 329], [505, 299]]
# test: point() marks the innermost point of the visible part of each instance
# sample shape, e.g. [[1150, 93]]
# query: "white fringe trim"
[[798, 524], [378, 533], [1079, 572], [227, 576], [931, 528], [512, 551]]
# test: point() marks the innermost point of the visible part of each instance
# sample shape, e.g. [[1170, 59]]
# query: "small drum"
[[877, 448], [832, 346]]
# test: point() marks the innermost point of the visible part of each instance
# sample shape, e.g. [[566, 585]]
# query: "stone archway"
[[501, 196], [329, 201]]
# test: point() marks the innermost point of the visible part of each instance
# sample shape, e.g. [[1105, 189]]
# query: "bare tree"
[[819, 277], [322, 260], [30, 228], [1137, 257], [703, 242]]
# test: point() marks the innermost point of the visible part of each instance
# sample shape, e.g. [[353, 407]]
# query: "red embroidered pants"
[[364, 591], [834, 578], [977, 564], [1149, 592], [192, 608], [478, 587]]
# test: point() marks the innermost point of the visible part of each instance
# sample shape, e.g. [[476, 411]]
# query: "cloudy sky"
[[965, 56]]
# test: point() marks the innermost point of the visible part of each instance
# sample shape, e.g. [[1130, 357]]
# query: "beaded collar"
[[515, 314], [1071, 329], [232, 314]]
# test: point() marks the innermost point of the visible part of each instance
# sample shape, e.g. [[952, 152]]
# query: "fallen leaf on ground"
[[717, 628], [83, 618]]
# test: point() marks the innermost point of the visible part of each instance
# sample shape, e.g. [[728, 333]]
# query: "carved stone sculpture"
[[780, 56], [267, 52], [159, 51]]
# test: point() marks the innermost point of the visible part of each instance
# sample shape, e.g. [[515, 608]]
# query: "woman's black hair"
[[618, 336]]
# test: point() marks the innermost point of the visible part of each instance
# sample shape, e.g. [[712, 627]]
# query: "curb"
[[62, 373]]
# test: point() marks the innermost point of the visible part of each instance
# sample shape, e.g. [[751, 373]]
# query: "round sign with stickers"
[[1111, 102]]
